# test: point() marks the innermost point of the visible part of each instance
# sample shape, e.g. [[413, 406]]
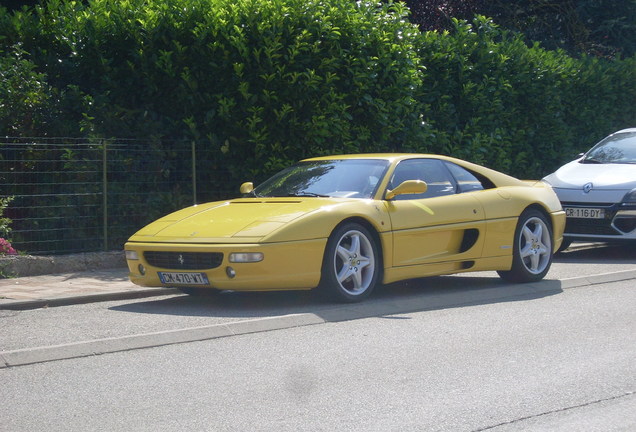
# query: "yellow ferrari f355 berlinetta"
[[346, 223]]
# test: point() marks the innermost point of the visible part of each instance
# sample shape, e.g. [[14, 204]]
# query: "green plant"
[[5, 222], [256, 84], [5, 229], [24, 93], [525, 110]]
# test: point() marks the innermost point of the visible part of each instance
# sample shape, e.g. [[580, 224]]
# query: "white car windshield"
[[619, 148], [343, 178]]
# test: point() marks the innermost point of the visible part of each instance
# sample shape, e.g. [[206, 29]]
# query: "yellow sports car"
[[346, 223]]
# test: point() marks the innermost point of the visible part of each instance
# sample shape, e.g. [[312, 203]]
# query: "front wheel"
[[532, 249], [351, 265]]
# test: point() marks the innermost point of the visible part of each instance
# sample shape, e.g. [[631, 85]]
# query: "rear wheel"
[[532, 249], [351, 265]]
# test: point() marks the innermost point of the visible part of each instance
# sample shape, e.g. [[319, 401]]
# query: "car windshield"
[[343, 178], [619, 148]]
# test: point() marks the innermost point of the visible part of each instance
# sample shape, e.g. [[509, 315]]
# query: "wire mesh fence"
[[73, 195]]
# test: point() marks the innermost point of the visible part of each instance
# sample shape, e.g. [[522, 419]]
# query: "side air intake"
[[470, 238]]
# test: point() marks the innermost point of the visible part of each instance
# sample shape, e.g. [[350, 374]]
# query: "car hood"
[[575, 175], [240, 220]]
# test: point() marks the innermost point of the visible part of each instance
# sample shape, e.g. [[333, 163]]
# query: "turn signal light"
[[246, 257], [132, 255]]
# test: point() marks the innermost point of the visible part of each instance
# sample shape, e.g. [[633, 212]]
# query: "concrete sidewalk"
[[72, 288]]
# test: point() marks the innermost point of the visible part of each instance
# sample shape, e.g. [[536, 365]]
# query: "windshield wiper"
[[591, 161], [307, 194]]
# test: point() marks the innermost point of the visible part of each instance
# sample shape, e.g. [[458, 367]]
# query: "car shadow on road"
[[413, 295], [432, 293], [599, 253]]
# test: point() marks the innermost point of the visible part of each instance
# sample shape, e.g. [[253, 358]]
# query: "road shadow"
[[414, 295], [599, 253]]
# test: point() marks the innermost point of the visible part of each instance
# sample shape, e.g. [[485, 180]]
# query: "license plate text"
[[183, 278], [584, 213]]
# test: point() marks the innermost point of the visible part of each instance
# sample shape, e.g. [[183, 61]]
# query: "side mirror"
[[247, 187], [407, 187]]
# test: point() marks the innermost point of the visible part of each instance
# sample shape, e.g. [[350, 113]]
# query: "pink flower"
[[6, 248]]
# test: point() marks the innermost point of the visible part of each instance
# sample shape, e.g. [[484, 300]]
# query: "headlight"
[[246, 257], [630, 198], [131, 255]]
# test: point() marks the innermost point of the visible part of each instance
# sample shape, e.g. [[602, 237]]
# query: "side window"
[[466, 181], [432, 171]]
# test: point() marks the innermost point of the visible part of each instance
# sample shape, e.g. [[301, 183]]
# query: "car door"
[[445, 223]]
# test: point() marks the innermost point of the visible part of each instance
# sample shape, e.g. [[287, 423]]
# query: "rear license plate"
[[183, 278], [584, 213]]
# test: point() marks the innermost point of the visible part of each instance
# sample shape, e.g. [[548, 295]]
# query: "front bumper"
[[289, 265], [619, 222]]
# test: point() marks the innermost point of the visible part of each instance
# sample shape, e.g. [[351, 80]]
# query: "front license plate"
[[183, 278], [584, 213]]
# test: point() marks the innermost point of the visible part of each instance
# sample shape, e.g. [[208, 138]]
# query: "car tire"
[[532, 248], [351, 264]]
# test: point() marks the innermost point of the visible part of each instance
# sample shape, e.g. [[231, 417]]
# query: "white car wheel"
[[351, 264]]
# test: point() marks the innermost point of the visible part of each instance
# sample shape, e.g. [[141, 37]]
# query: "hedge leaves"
[[257, 84]]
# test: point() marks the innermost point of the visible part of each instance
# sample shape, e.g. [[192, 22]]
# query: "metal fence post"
[[105, 192], [194, 173]]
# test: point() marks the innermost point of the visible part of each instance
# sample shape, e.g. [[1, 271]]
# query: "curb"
[[85, 298], [38, 265], [27, 356]]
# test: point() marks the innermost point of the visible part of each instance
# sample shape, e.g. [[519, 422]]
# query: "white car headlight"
[[630, 198]]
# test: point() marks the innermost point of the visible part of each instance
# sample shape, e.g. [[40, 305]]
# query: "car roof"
[[393, 157], [498, 178]]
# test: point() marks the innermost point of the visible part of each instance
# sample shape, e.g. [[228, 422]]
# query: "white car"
[[598, 191]]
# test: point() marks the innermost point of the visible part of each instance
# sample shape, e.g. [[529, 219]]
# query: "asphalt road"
[[459, 353], [30, 329]]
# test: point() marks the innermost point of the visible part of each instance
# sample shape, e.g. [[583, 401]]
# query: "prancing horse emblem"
[[587, 187], [181, 260]]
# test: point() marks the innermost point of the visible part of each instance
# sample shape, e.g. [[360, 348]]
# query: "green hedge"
[[257, 84], [524, 110]]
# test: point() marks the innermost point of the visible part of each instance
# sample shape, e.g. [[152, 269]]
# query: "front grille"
[[184, 260], [590, 226]]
